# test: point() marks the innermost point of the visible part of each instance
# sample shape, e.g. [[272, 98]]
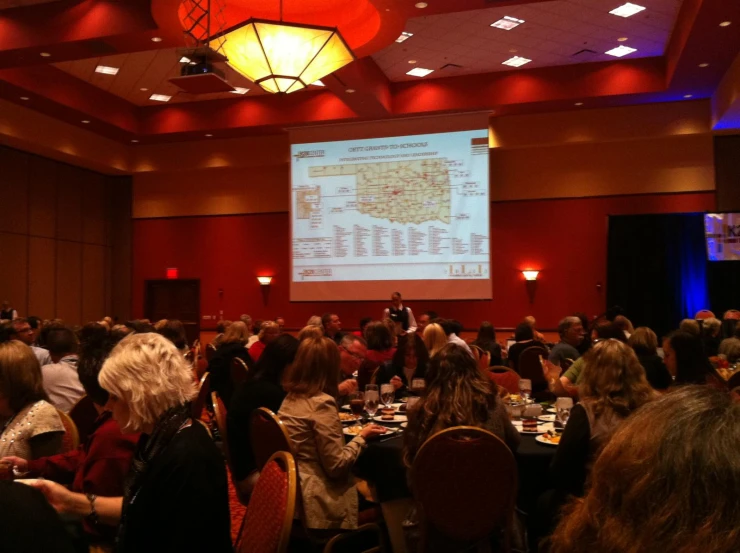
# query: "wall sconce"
[[530, 281], [530, 275], [264, 280]]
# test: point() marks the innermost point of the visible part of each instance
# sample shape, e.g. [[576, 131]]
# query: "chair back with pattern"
[[530, 367], [464, 480], [732, 315], [368, 538], [201, 400], [704, 314], [84, 415], [269, 517], [239, 371], [268, 435], [220, 414], [71, 438], [508, 379]]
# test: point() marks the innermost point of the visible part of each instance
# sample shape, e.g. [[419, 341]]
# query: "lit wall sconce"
[[264, 280], [530, 275], [530, 280]]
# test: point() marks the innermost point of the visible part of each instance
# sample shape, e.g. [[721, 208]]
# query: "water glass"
[[563, 405], [372, 399], [525, 387], [387, 394]]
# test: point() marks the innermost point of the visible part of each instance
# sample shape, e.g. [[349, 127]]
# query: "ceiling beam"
[[372, 95]]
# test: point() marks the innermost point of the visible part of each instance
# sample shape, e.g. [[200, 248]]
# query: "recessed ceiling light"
[[420, 72], [404, 36], [627, 10], [507, 23], [703, 65], [45, 54], [185, 59], [318, 83], [621, 51], [134, 141], [239, 90], [412, 62], [513, 51], [516, 61], [725, 24], [105, 70], [143, 89], [85, 121], [421, 5], [579, 104], [160, 97], [156, 39], [687, 96], [622, 39], [209, 135], [350, 91], [25, 98]]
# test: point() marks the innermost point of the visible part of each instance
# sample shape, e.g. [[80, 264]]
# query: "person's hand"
[[372, 430], [347, 387], [20, 465], [397, 383], [57, 495], [550, 371]]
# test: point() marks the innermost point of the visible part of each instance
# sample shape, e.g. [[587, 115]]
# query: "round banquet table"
[[381, 464]]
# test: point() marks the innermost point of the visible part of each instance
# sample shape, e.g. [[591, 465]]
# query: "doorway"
[[174, 299]]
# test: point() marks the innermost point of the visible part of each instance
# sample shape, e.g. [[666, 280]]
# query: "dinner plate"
[[355, 430], [551, 410], [542, 427], [404, 424], [348, 420], [398, 418], [545, 441], [547, 418]]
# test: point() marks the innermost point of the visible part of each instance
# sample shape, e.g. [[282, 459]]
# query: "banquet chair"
[[704, 314], [530, 367], [507, 378], [84, 415], [190, 357], [358, 541], [71, 438], [201, 400], [732, 315], [464, 481], [219, 411], [210, 350], [268, 435], [269, 518], [239, 371]]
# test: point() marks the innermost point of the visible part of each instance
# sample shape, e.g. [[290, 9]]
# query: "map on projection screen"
[[394, 210], [723, 236]]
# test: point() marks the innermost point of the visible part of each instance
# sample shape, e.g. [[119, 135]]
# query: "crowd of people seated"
[[635, 468]]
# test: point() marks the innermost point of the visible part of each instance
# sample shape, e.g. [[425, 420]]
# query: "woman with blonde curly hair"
[[176, 469], [434, 338], [668, 481]]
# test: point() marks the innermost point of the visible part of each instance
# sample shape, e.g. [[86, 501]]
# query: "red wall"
[[565, 239]]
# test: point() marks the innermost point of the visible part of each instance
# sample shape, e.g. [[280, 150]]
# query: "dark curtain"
[[657, 268]]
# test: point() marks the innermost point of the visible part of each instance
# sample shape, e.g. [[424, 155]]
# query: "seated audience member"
[[352, 355], [221, 327], [673, 487], [177, 469], [29, 524], [730, 347], [486, 341], [254, 332], [456, 394], [587, 342], [691, 326], [410, 361], [31, 427], [281, 324], [233, 345], [310, 331], [140, 326], [159, 325], [93, 334], [247, 320], [571, 335], [174, 331], [61, 382], [263, 389], [23, 332], [325, 461], [424, 320], [100, 465], [453, 329], [645, 344], [710, 336], [523, 339], [315, 320], [686, 361], [332, 327], [36, 325], [434, 338], [530, 320], [363, 324], [625, 325], [269, 332], [380, 349]]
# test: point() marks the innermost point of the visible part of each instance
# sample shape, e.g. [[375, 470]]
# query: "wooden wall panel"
[[94, 212], [93, 282], [13, 281], [69, 282], [42, 277], [42, 199], [14, 182], [727, 163], [69, 202]]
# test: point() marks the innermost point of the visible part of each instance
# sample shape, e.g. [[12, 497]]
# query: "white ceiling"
[[553, 33]]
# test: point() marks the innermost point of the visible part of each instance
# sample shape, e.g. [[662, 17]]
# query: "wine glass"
[[525, 387], [563, 405], [387, 394], [372, 398], [357, 404]]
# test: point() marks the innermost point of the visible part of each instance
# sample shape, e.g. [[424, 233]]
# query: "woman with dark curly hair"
[[409, 361], [672, 488], [456, 394]]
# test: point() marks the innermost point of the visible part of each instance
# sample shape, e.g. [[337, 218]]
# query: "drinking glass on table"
[[525, 387], [418, 385], [372, 398], [563, 405], [357, 403], [387, 394]]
